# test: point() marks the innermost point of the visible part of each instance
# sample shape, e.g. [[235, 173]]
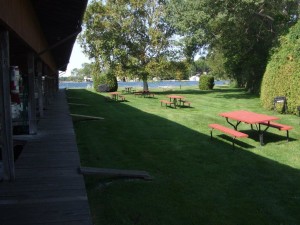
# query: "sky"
[[76, 60]]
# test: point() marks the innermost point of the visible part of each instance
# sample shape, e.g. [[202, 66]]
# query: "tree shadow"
[[196, 179], [237, 142], [234, 93]]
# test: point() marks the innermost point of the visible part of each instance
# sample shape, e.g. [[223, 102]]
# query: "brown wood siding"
[[20, 17]]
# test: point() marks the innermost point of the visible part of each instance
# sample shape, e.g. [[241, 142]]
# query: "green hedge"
[[282, 75], [206, 82]]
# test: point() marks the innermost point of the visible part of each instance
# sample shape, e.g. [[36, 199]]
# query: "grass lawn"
[[196, 180]]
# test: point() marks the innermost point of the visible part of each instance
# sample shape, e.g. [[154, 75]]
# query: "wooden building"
[[36, 41]]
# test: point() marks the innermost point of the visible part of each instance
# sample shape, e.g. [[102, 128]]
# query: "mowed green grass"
[[196, 180]]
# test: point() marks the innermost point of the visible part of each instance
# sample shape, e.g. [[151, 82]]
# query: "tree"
[[158, 68], [75, 74], [242, 31], [126, 34], [188, 18], [201, 65], [179, 70], [216, 62], [79, 74]]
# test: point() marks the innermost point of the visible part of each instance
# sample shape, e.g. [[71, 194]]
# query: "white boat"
[[194, 78]]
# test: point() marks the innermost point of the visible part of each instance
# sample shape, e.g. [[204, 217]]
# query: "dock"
[[48, 188]]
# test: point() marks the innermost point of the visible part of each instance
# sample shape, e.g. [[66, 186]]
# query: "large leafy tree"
[[242, 31], [126, 34]]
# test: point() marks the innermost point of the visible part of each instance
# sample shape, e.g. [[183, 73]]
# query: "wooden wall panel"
[[19, 16]]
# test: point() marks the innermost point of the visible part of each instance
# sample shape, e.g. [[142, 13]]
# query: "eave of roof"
[[60, 21]]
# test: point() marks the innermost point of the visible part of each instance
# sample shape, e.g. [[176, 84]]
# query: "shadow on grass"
[[197, 181], [269, 136], [219, 93], [237, 142], [273, 138]]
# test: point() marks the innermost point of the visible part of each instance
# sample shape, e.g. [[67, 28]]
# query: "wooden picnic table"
[[176, 99], [144, 94], [114, 95], [128, 89], [251, 118]]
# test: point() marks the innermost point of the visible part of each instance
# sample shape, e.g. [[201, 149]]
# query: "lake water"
[[155, 84]]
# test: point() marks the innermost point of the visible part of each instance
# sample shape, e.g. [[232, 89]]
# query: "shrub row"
[[282, 75]]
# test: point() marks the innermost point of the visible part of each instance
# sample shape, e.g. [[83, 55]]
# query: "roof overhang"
[[47, 27], [60, 21]]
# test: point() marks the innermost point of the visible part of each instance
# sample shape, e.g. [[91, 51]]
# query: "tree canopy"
[[242, 32], [126, 34], [79, 74], [134, 36]]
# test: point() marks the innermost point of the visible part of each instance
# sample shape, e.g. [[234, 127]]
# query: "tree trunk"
[[145, 82]]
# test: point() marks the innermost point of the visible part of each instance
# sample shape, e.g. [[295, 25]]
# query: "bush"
[[282, 75], [107, 80], [103, 88], [206, 82]]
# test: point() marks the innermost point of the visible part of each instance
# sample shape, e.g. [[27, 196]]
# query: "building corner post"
[[6, 133]]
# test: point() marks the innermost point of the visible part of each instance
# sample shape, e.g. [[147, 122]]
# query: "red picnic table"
[[175, 99], [128, 89], [114, 95], [250, 118]]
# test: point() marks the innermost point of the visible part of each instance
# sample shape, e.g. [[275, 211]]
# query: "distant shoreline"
[[151, 84]]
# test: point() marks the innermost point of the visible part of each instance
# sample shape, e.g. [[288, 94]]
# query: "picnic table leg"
[[233, 140], [261, 136], [181, 102], [174, 102], [234, 126], [261, 133], [261, 139]]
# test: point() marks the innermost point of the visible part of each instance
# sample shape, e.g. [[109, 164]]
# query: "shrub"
[[103, 88], [206, 82], [282, 75], [106, 79]]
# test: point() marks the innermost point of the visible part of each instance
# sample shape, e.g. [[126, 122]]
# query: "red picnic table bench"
[[235, 134]]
